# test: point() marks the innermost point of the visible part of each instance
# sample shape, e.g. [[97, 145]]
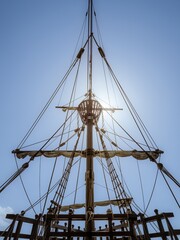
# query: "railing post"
[[10, 231], [160, 225], [132, 218], [110, 216], [145, 228], [34, 231]]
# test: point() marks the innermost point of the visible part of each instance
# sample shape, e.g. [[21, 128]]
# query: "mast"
[[89, 175], [90, 45]]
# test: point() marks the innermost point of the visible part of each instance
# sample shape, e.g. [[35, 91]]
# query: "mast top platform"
[[89, 110]]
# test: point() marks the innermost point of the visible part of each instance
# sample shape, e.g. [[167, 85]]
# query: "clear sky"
[[142, 42]]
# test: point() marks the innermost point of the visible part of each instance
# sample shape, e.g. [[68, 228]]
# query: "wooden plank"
[[132, 219], [171, 230], [110, 224], [21, 235], [166, 233], [75, 217], [34, 231], [160, 224], [21, 218], [80, 217], [89, 234], [109, 232], [18, 230], [162, 216], [84, 234], [98, 217]]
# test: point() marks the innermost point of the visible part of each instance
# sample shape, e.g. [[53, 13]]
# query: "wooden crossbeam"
[[55, 230]]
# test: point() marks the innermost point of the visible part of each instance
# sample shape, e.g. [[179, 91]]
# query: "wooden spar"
[[89, 175]]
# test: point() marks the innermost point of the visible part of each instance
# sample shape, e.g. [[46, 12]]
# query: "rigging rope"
[[159, 165], [129, 135], [170, 189], [77, 181], [59, 195], [74, 190], [47, 105], [128, 139], [140, 179], [49, 190], [40, 166], [55, 162], [45, 194], [104, 175], [165, 171], [155, 181], [73, 92], [78, 174], [129, 105], [108, 138], [26, 165], [117, 186], [78, 57], [154, 226], [24, 188], [55, 137]]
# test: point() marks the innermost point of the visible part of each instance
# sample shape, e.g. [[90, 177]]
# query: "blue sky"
[[141, 39]]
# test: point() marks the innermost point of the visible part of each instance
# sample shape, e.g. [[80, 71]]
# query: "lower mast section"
[[89, 111], [89, 175]]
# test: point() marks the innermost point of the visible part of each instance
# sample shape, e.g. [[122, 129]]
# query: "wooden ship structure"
[[80, 220]]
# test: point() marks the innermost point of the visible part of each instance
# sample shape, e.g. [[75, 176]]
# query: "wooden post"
[[47, 226], [10, 231], [109, 215], [18, 229], [160, 225], [132, 218], [145, 228], [34, 231], [171, 230], [70, 223]]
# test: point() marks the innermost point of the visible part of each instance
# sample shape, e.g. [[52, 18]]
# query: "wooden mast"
[[89, 175]]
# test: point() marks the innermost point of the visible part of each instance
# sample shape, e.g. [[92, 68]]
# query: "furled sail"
[[119, 202], [139, 155]]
